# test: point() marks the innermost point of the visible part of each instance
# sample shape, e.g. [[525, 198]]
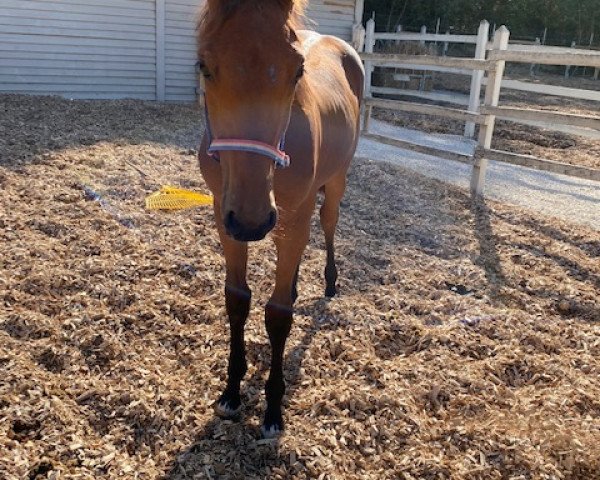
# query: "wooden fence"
[[490, 58]]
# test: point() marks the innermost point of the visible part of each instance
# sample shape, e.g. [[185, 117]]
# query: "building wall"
[[180, 50], [79, 48], [141, 49], [332, 17]]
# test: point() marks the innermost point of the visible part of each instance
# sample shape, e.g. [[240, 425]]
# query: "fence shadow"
[[568, 266], [488, 258], [580, 265]]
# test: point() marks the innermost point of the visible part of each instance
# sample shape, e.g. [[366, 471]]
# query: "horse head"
[[250, 57]]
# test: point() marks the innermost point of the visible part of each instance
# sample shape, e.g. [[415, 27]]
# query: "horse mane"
[[215, 12]]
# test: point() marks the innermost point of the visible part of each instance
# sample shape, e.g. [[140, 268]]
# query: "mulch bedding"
[[464, 343]]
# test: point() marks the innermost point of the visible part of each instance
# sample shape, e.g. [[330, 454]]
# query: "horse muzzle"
[[244, 233]]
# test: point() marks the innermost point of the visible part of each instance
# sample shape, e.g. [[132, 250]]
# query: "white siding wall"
[[108, 48], [332, 17], [78, 48], [180, 49]]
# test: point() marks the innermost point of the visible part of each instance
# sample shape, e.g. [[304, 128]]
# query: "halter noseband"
[[277, 154]]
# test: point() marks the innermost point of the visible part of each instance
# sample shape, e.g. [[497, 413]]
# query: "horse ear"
[[296, 12]]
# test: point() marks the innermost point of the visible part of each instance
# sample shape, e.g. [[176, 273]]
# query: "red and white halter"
[[277, 154]]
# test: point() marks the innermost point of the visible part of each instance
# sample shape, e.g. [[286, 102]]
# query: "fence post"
[[568, 67], [446, 45], [358, 37], [596, 73], [359, 10], [423, 32], [369, 48], [533, 65], [477, 75], [398, 30], [358, 31], [492, 97]]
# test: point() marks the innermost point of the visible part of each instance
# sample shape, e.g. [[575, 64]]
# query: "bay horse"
[[269, 85]]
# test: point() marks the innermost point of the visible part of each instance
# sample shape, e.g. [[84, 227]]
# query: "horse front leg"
[[237, 303], [278, 312]]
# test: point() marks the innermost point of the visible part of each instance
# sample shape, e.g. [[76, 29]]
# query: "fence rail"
[[427, 37], [490, 59], [554, 90], [545, 116], [453, 113], [445, 97], [541, 164], [425, 149], [576, 57], [396, 59]]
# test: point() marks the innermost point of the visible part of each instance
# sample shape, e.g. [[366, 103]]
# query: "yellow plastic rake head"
[[173, 199]]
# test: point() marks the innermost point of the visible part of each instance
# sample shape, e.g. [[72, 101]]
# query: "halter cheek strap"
[[278, 155]]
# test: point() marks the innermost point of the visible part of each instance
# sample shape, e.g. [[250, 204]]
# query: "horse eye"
[[299, 73], [201, 67]]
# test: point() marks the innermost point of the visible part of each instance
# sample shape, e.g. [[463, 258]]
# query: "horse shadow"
[[245, 453]]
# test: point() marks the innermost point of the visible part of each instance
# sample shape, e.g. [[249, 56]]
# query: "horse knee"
[[237, 302], [278, 320]]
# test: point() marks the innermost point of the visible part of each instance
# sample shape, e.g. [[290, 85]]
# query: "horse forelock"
[[215, 12]]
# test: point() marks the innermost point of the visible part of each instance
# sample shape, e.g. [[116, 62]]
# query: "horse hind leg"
[[330, 212]]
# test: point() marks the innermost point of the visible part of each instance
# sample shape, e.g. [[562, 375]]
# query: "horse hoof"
[[224, 410], [271, 431]]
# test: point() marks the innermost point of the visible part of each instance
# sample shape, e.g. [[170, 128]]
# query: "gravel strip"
[[572, 199]]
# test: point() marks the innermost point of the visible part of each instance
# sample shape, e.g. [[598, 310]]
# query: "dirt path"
[[513, 137], [572, 199]]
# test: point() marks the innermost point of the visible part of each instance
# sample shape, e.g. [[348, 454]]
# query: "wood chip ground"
[[464, 343]]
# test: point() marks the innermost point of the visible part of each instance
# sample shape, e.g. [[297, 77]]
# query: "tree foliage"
[[566, 20]]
